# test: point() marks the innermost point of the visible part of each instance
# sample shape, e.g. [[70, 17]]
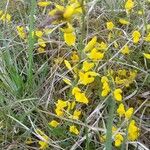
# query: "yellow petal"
[[70, 38], [44, 4], [68, 65], [146, 55], [90, 44]]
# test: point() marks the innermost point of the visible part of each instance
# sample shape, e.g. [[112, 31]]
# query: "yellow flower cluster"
[[118, 139], [125, 77], [5, 17], [133, 131], [129, 5], [121, 111], [69, 35], [136, 36], [105, 86], [21, 32], [95, 50], [79, 96], [118, 94]]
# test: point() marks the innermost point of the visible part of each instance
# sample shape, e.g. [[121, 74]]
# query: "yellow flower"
[[104, 79], [101, 46], [147, 38], [73, 129], [123, 21], [105, 86], [75, 58], [70, 38], [129, 113], [95, 55], [41, 42], [39, 33], [129, 5], [110, 25], [54, 123], [117, 94], [118, 139], [69, 11], [44, 3], [61, 104], [68, 65], [68, 29], [69, 35], [125, 50], [76, 114], [90, 44], [21, 32], [136, 36], [43, 145], [105, 89], [133, 131], [80, 97], [146, 55], [6, 17], [87, 78], [41, 50], [87, 66], [121, 110], [75, 90]]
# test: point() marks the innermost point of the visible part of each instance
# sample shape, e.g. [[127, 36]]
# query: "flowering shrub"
[[77, 73]]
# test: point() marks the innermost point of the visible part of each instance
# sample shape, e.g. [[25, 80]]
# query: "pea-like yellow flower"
[[41, 42], [101, 46], [67, 64], [76, 114], [90, 45], [118, 139], [69, 35], [44, 3], [69, 11], [118, 94], [129, 113], [54, 123], [21, 32], [124, 21], [87, 66], [39, 33], [73, 129], [136, 36], [125, 50], [129, 5], [121, 110], [105, 86], [81, 98], [75, 90], [110, 25], [146, 55], [87, 77], [60, 105], [133, 131], [6, 17], [95, 55], [75, 57]]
